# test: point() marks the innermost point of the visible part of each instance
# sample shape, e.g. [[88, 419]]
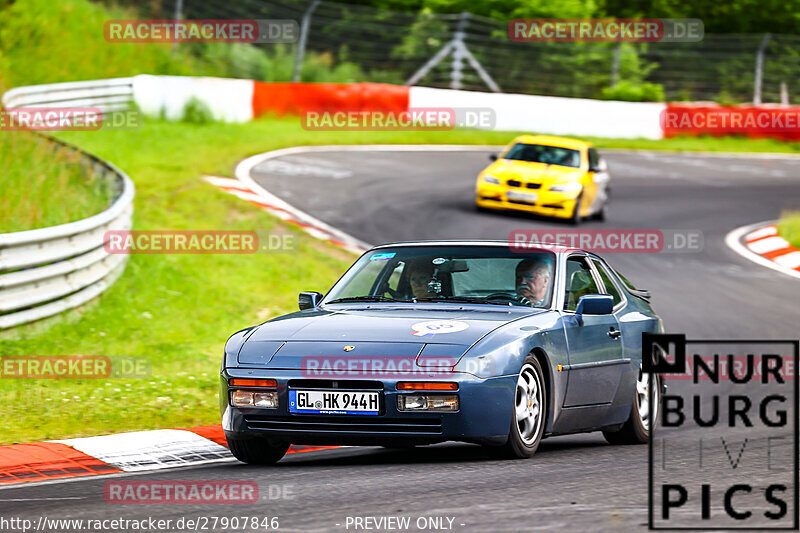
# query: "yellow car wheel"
[[575, 219]]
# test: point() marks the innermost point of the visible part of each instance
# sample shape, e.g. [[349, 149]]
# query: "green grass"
[[702, 144], [789, 227], [43, 185]]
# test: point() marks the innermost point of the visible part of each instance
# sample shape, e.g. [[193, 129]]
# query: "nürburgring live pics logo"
[[724, 454]]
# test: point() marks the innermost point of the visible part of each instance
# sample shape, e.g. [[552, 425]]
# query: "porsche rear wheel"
[[257, 451], [528, 415], [644, 413]]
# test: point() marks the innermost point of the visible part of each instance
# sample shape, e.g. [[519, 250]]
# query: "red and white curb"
[[290, 214], [136, 451], [761, 244]]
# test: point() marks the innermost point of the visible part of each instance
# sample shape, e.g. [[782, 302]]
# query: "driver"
[[420, 274], [532, 281]]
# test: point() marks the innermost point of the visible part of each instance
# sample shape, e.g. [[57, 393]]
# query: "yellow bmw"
[[551, 176]]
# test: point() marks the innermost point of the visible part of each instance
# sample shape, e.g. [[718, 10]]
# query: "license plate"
[[522, 196], [334, 402]]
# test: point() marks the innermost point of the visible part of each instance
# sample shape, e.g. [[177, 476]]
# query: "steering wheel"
[[393, 293], [510, 298], [502, 296]]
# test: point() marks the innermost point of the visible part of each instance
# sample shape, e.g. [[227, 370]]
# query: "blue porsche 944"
[[424, 342]]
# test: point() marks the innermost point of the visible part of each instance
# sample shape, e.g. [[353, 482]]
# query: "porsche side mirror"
[[309, 300], [493, 157], [594, 304]]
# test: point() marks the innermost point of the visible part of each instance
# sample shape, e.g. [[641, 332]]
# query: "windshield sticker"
[[439, 261], [422, 329], [383, 256]]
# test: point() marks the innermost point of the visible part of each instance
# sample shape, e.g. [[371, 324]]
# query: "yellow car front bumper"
[[552, 204]]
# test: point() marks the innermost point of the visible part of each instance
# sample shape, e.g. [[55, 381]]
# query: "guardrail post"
[[760, 69], [177, 16], [301, 43], [457, 65], [615, 64]]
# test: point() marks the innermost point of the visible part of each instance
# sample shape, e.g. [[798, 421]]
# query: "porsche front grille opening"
[[345, 424], [349, 384]]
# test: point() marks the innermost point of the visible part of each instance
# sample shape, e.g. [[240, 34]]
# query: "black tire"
[[257, 451], [523, 443], [399, 446], [634, 430], [601, 214], [575, 219]]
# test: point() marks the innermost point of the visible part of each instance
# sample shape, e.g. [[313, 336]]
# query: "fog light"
[[242, 398], [246, 398], [427, 402], [268, 400]]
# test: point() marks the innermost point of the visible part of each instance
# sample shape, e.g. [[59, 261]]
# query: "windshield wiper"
[[464, 299], [366, 299]]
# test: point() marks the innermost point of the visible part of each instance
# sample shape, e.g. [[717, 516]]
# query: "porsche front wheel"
[[529, 411], [257, 451]]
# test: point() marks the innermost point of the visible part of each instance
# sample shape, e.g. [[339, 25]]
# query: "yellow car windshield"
[[549, 155]]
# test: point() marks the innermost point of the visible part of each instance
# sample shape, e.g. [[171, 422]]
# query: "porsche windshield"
[[549, 155], [458, 274]]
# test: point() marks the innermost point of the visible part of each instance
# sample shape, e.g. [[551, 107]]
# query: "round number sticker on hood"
[[432, 327]]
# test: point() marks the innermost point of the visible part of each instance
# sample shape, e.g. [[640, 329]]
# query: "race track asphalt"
[[573, 483]]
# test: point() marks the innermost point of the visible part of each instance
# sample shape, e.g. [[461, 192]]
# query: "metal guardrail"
[[107, 95], [49, 270]]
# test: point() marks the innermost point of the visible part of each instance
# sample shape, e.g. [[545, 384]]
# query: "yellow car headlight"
[[567, 187], [488, 178]]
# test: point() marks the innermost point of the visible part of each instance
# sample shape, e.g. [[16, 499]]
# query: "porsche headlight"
[[567, 187], [488, 178]]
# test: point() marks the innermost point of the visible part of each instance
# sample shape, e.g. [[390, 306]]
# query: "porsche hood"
[[420, 337]]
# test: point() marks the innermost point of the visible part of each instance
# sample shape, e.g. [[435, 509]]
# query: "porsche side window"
[[579, 282], [609, 285]]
